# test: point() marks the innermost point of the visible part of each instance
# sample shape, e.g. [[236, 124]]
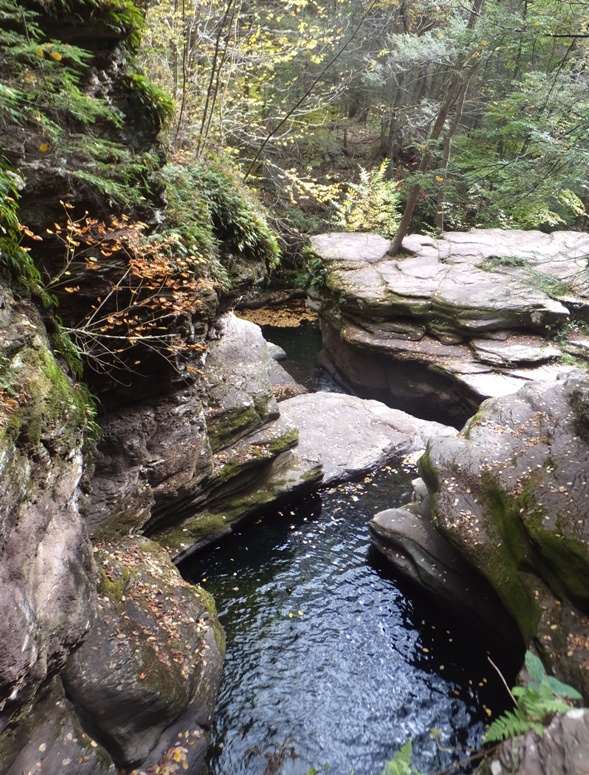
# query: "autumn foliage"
[[146, 299]]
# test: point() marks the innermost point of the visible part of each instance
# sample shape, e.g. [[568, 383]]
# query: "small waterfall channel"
[[332, 663]]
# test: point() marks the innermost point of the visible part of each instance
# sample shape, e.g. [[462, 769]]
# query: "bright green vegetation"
[[16, 265], [45, 101], [212, 216], [536, 703]]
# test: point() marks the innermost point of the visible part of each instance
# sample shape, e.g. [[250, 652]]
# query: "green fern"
[[402, 762], [512, 723], [537, 703]]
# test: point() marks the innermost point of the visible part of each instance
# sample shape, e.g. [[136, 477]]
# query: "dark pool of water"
[[330, 661], [302, 344]]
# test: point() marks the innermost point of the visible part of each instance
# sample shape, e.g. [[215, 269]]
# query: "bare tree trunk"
[[447, 144], [458, 83]]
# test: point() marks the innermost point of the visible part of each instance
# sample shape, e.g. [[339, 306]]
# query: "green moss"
[[229, 427], [568, 559], [203, 527], [51, 411], [113, 590], [208, 603], [472, 423], [282, 443], [428, 472], [502, 564]]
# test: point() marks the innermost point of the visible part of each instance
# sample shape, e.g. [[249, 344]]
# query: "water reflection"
[[330, 661]]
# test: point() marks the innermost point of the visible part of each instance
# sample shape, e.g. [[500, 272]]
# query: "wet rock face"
[[458, 320], [147, 677], [182, 467], [46, 573], [511, 491], [409, 540]]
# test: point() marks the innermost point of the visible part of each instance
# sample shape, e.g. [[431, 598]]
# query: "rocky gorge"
[[455, 321], [110, 661]]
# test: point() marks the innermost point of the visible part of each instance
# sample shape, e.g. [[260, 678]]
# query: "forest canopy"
[[477, 110]]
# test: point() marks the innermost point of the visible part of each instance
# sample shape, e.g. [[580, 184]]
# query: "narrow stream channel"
[[332, 663]]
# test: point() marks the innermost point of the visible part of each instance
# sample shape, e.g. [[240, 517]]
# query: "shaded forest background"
[[338, 111], [149, 163]]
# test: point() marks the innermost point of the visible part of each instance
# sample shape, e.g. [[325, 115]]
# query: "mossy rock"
[[512, 493]]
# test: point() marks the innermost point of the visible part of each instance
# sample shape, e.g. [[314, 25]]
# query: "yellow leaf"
[[56, 55], [39, 52], [177, 755], [439, 179], [44, 147]]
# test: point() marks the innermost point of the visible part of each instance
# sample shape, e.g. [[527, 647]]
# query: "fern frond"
[[511, 724], [402, 762]]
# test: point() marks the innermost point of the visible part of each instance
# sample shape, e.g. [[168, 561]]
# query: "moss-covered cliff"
[[116, 264]]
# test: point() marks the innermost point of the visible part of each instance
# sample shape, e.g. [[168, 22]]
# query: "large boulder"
[[511, 491], [147, 677], [454, 320]]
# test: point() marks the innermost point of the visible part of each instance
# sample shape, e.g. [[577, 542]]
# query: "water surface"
[[330, 661]]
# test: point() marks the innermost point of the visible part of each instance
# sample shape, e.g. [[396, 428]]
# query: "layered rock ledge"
[[453, 320]]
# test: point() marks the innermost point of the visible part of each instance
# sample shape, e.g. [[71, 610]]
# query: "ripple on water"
[[329, 661]]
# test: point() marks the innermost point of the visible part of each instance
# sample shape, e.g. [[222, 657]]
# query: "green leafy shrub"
[[211, 216], [537, 703], [153, 100], [372, 205]]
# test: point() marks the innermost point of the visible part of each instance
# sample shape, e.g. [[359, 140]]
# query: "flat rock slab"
[[350, 247], [469, 313], [475, 281], [351, 436], [525, 349]]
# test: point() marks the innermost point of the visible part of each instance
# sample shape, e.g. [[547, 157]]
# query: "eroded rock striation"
[[453, 320]]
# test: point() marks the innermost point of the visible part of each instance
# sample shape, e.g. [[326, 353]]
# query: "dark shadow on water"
[[331, 660]]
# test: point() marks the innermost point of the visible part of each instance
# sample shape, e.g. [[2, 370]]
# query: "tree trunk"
[[456, 87]]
